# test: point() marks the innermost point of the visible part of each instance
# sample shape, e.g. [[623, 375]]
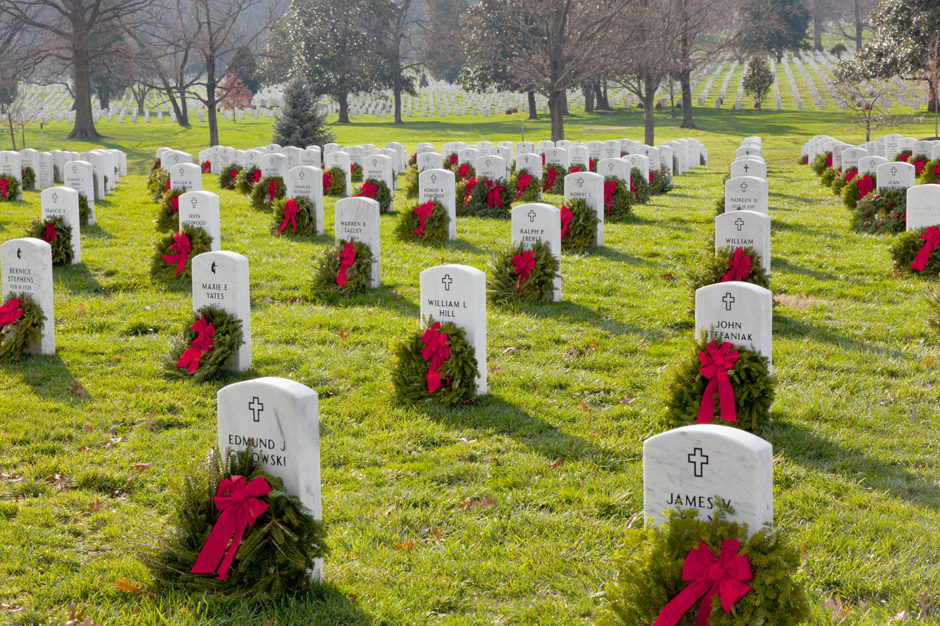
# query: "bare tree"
[[401, 53], [863, 98], [69, 25]]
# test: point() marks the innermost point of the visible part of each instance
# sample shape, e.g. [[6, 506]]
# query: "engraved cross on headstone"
[[446, 281], [580, 182], [746, 167], [301, 174], [433, 179], [55, 197], [728, 299], [698, 460], [743, 187], [255, 406], [531, 215], [194, 202], [894, 171], [739, 223]]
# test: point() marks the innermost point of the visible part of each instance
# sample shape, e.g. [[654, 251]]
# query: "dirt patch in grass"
[[797, 301]]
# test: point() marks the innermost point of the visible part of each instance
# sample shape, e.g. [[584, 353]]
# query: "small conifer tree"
[[758, 80], [301, 123]]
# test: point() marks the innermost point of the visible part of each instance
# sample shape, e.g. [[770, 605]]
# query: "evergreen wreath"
[[465, 171], [931, 173], [226, 340], [261, 197], [409, 183], [304, 222], [334, 182], [378, 191], [18, 335], [457, 373], [919, 163], [199, 242], [829, 174], [907, 247], [9, 188], [619, 206], [206, 167], [532, 192], [856, 189], [436, 223], [168, 217], [581, 230], [639, 188], [720, 205], [659, 182], [450, 162], [714, 267], [822, 162], [505, 284], [702, 160], [28, 176], [356, 172], [275, 554], [649, 573], [228, 176], [157, 181], [752, 383], [247, 179], [904, 156], [462, 192], [57, 234], [358, 275], [483, 195], [84, 211], [803, 160], [883, 211], [839, 182], [553, 183]]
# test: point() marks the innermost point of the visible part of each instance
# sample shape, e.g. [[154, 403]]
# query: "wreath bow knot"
[[716, 362], [10, 312], [739, 267], [346, 258], [522, 184], [423, 212], [524, 264], [931, 240], [182, 247], [435, 352], [566, 216], [290, 215], [199, 346]]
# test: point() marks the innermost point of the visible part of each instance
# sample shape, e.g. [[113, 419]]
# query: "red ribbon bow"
[[932, 240], [435, 351], [464, 170], [175, 204], [715, 366], [10, 312], [4, 187], [346, 258], [167, 185], [566, 216], [522, 184], [550, 177], [524, 264], [936, 171], [574, 169], [865, 185], [233, 174], [240, 504], [829, 161], [206, 167], [851, 174], [423, 212], [51, 233], [468, 189], [739, 267], [255, 176], [290, 215], [711, 576], [919, 165], [327, 182], [610, 190], [592, 165], [368, 190], [453, 159], [903, 156], [199, 346], [183, 248], [632, 188], [494, 198], [272, 190]]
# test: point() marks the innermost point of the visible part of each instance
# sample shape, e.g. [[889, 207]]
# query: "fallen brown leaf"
[[483, 503], [127, 585], [141, 467], [78, 390], [96, 505]]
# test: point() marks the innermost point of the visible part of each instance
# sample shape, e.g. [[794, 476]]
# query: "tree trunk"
[[533, 107], [396, 89], [556, 108], [817, 25], [12, 131], [649, 96], [140, 95], [588, 91], [685, 81], [182, 116], [600, 94], [84, 127], [104, 100], [564, 100], [211, 102], [859, 26], [343, 100]]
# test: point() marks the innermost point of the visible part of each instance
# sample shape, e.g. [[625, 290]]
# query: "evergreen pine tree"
[[301, 123]]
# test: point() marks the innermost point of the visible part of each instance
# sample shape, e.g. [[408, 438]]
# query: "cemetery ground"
[[510, 509]]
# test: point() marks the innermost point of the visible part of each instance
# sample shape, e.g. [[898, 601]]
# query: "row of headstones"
[[887, 147], [51, 167]]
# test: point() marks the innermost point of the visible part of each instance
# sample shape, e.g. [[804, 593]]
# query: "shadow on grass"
[[49, 377], [495, 415], [459, 244], [782, 265], [570, 312], [77, 278], [781, 225], [385, 296], [807, 448], [96, 231], [789, 328]]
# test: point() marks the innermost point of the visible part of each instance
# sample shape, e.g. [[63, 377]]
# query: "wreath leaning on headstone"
[[206, 344], [489, 198], [266, 192], [524, 275], [29, 178], [526, 188], [334, 182], [882, 211], [578, 225], [378, 191], [343, 269], [427, 221], [857, 188], [639, 187], [618, 201], [553, 178], [9, 188], [409, 183], [276, 552], [656, 565], [721, 383], [57, 234], [157, 181], [436, 365], [228, 176], [741, 264], [173, 255], [822, 162], [21, 322], [931, 172], [294, 216], [84, 211], [466, 171], [918, 252], [168, 216], [660, 182], [355, 171], [247, 179]]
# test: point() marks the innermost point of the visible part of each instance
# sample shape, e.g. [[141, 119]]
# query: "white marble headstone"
[[744, 229], [306, 181], [536, 222], [851, 156], [746, 193], [895, 175], [440, 185], [923, 206], [614, 167], [749, 166], [378, 167], [529, 163], [588, 186], [357, 219], [429, 161], [26, 265], [340, 159], [492, 167], [201, 209], [640, 163], [557, 156], [220, 279], [79, 175], [11, 164], [186, 177], [63, 202], [737, 312], [869, 164], [274, 164]]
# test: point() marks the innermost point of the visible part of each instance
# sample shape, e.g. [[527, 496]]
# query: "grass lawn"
[[508, 510]]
